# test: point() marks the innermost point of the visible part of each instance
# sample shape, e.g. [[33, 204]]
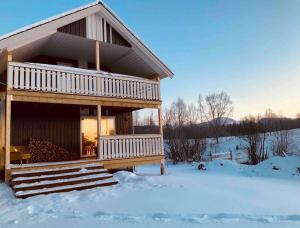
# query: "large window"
[[89, 132], [89, 136]]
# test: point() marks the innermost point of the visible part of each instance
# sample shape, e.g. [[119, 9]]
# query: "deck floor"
[[108, 164]]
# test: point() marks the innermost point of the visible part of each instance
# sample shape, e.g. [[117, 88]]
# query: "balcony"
[[67, 80]]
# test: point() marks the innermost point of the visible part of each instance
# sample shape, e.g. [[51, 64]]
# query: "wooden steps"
[[27, 183]]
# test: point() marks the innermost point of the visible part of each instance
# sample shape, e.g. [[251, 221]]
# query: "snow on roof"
[[28, 27]]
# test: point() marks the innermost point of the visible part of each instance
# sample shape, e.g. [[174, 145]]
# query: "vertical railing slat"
[[21, 83], [49, 80], [38, 79], [43, 80], [16, 77], [27, 78], [32, 82]]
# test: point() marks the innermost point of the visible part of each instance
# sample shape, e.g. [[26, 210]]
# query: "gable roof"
[[8, 41]]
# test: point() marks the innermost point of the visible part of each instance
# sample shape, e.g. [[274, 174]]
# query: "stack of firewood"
[[44, 151]]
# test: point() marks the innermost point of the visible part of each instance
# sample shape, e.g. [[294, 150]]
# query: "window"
[[108, 125]]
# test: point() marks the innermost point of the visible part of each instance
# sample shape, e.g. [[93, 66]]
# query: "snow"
[[227, 195], [227, 144], [47, 190]]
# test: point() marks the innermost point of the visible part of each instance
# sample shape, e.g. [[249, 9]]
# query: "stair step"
[[40, 172], [54, 164], [61, 182], [33, 179], [66, 188]]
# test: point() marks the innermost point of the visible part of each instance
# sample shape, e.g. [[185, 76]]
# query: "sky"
[[249, 49]]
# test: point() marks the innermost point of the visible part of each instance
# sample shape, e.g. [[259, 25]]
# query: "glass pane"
[[108, 126], [89, 136]]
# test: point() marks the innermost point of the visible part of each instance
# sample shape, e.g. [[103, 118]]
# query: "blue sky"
[[249, 49]]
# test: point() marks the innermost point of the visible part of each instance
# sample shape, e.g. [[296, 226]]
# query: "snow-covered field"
[[228, 144], [230, 195]]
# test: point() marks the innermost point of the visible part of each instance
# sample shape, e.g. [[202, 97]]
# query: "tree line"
[[187, 126]]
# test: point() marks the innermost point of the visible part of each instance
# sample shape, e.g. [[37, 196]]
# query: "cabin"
[[69, 86]]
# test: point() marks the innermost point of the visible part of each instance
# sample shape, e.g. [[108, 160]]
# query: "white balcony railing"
[[67, 80], [130, 146]]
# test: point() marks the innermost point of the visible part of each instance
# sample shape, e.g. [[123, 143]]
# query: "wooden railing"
[[130, 146], [57, 79]]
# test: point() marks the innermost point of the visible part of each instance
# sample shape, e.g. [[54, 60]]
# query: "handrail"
[[135, 136]]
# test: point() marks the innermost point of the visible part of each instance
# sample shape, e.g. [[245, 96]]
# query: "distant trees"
[[216, 109], [182, 148], [187, 126]]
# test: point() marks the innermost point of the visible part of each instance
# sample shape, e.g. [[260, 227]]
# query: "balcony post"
[[7, 126], [162, 163], [97, 55], [99, 132]]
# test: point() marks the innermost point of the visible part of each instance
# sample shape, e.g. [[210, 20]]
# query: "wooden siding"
[[77, 28], [59, 124], [124, 125], [94, 27], [118, 39], [99, 29]]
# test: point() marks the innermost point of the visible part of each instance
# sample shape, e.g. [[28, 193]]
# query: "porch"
[[113, 145]]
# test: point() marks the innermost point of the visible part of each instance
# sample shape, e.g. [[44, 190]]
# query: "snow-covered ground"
[[227, 195], [227, 144]]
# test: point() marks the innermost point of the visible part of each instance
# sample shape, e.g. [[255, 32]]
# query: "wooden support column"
[[162, 163], [8, 99], [99, 131], [97, 55], [7, 137]]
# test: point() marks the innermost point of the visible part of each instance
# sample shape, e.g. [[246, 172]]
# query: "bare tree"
[[281, 136], [216, 110], [281, 142], [255, 137], [176, 119], [268, 121], [193, 114]]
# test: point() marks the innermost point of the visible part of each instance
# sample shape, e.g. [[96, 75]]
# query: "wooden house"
[[74, 80]]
